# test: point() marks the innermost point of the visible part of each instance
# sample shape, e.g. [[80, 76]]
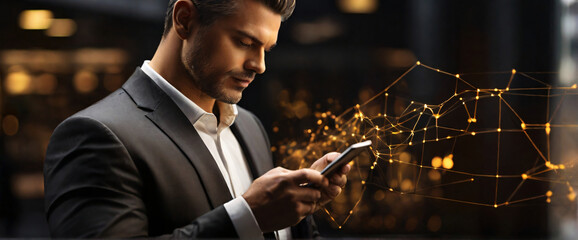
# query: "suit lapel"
[[248, 134], [166, 115]]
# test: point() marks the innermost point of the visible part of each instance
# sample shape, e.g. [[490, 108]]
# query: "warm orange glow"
[[45, 83], [10, 125], [436, 162], [35, 19], [571, 196], [358, 6], [524, 176], [85, 81], [61, 27], [448, 162], [18, 82]]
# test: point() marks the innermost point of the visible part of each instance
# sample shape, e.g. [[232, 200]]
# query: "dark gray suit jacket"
[[132, 165]]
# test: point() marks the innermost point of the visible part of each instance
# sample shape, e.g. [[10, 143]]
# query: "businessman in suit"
[[171, 155]]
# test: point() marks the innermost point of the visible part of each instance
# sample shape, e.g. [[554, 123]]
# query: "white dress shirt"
[[226, 151]]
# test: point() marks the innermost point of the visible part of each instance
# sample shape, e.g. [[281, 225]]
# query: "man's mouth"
[[243, 82]]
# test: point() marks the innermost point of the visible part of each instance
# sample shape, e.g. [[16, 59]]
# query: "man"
[[170, 154]]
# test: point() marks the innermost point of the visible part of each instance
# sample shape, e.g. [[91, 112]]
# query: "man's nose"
[[256, 62]]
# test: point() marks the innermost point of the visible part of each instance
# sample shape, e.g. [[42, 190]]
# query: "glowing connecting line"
[[426, 140]]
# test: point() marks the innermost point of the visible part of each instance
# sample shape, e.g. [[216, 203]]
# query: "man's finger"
[[305, 194], [302, 176], [330, 157]]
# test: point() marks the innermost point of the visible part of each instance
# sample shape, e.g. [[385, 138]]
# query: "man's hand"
[[279, 200], [336, 181]]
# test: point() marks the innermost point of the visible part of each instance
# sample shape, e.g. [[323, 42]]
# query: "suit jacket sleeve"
[[93, 188]]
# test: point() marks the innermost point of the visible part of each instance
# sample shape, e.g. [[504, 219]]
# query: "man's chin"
[[231, 98]]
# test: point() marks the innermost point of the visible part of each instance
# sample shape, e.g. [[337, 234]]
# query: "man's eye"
[[245, 44]]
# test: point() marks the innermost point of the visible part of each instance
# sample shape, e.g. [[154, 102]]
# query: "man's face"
[[227, 54]]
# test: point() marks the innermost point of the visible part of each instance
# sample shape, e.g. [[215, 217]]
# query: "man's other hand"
[[278, 198]]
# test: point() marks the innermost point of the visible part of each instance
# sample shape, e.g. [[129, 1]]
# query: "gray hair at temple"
[[210, 10]]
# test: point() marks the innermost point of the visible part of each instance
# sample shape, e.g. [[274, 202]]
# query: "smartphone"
[[346, 156]]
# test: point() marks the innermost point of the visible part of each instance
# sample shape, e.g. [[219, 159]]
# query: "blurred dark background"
[[330, 53]]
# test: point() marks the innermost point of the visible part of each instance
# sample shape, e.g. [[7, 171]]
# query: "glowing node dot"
[[574, 86], [386, 94], [362, 182], [507, 89], [473, 133], [410, 143], [524, 176], [371, 167], [418, 63], [548, 200], [548, 193], [478, 90], [457, 76], [437, 70], [499, 129], [523, 126], [391, 189], [423, 141], [497, 176], [357, 106], [461, 99], [513, 71], [495, 205], [477, 97], [437, 139], [339, 227], [448, 162], [390, 160], [425, 106], [448, 137], [471, 179], [436, 162], [437, 116], [495, 89], [492, 95]]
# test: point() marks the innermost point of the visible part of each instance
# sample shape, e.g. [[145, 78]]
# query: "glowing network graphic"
[[484, 145]]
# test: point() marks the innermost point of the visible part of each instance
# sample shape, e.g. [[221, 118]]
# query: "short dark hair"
[[210, 10]]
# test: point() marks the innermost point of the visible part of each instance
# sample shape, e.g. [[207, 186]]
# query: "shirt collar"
[[228, 112]]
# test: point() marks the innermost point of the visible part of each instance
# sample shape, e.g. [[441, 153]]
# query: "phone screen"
[[349, 154]]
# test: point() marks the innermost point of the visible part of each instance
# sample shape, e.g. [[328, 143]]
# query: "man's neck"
[[171, 69]]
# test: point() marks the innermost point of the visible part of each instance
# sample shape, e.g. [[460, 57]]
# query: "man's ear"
[[184, 13]]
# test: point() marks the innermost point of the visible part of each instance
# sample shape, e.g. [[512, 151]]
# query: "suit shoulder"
[[115, 103]]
